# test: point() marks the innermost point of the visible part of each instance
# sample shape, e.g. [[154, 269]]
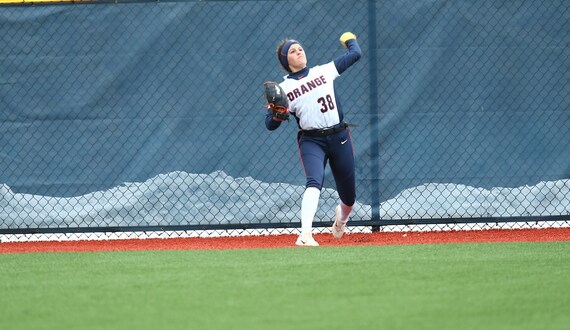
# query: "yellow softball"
[[346, 37]]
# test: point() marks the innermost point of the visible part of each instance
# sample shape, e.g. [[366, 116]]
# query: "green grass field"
[[447, 286]]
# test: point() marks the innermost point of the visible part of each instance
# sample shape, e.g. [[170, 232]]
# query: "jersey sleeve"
[[353, 54], [271, 124]]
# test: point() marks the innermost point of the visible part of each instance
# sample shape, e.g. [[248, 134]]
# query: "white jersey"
[[312, 98]]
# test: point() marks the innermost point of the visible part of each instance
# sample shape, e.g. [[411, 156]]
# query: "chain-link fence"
[[135, 116]]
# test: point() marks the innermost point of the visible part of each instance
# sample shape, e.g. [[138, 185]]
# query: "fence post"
[[374, 145]]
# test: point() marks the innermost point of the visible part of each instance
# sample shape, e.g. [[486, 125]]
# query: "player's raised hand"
[[346, 37]]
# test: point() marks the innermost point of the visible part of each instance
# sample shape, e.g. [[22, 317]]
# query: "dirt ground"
[[288, 241]]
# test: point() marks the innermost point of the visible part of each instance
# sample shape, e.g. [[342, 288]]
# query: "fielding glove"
[[277, 101]]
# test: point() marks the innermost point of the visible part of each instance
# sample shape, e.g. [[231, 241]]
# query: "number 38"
[[326, 103]]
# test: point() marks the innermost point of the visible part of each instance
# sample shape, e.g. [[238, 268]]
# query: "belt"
[[325, 131]]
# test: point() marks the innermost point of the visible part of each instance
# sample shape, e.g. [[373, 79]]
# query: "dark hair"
[[282, 58]]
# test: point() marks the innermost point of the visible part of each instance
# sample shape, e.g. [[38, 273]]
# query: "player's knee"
[[314, 184], [348, 200]]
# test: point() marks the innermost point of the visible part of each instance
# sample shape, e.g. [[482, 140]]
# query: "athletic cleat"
[[338, 227], [306, 240]]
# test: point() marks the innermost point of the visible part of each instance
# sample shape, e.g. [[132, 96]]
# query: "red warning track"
[[288, 241]]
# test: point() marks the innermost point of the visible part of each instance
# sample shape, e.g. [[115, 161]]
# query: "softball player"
[[323, 136]]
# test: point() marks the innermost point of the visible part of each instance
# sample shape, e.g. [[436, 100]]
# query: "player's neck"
[[299, 74]]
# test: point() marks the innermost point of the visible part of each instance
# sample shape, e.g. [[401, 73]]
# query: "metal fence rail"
[[119, 116]]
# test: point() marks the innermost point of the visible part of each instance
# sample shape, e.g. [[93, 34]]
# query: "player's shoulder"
[[286, 82], [329, 68], [325, 66]]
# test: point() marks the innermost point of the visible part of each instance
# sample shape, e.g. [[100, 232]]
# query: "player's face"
[[296, 58]]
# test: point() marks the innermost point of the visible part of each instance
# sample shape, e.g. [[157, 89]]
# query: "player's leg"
[[308, 209], [343, 170], [313, 159]]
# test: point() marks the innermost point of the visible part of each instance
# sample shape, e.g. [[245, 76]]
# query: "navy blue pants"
[[336, 149]]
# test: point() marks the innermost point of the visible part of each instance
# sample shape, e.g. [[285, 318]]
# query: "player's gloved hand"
[[277, 101], [346, 37], [280, 113]]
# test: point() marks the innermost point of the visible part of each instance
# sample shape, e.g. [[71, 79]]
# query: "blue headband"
[[283, 53]]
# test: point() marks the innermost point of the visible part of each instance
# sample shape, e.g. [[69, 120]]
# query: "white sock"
[[344, 212], [309, 208]]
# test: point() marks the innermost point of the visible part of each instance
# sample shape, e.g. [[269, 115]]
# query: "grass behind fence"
[[451, 286]]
